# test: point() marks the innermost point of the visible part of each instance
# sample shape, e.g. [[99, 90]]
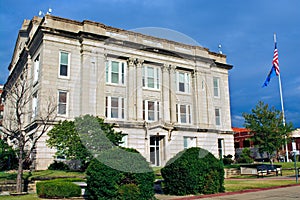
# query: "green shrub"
[[129, 192], [105, 180], [57, 189], [227, 160], [58, 166], [193, 171], [245, 157], [8, 157]]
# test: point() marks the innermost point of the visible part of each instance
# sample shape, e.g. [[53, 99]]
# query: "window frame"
[[36, 69], [188, 114], [62, 103], [156, 111], [68, 65], [192, 142], [156, 77], [34, 105], [120, 108], [218, 118], [216, 88], [121, 72], [186, 82]]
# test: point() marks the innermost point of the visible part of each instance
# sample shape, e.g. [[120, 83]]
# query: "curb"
[[237, 192]]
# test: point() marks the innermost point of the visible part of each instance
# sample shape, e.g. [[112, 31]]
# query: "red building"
[[242, 138]]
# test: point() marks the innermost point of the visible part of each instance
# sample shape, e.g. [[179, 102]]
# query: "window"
[[62, 102], [150, 110], [183, 82], [189, 142], [218, 116], [34, 105], [115, 108], [115, 72], [64, 63], [36, 68], [151, 77], [216, 87], [221, 147], [183, 114]]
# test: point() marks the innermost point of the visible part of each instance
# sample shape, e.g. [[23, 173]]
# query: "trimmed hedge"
[[58, 166], [193, 171], [57, 189], [116, 177]]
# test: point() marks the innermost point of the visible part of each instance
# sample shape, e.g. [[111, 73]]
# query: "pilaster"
[[166, 92], [139, 90], [131, 90]]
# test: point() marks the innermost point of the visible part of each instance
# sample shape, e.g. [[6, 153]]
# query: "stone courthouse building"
[[163, 95]]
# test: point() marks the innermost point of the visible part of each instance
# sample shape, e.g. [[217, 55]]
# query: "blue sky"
[[244, 28]]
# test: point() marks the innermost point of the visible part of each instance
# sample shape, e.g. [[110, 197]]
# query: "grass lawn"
[[24, 197], [239, 184], [45, 174]]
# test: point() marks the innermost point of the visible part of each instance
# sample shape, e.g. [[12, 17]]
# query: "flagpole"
[[282, 108]]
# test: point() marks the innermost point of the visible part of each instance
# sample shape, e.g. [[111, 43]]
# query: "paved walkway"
[[275, 193]]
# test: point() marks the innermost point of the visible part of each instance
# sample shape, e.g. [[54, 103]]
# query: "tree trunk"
[[20, 171]]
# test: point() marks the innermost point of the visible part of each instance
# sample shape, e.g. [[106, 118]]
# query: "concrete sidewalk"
[[288, 192]]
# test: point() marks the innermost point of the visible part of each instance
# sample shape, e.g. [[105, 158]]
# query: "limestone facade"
[[163, 95]]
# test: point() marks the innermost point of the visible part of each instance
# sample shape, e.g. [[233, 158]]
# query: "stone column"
[[101, 79], [197, 91], [131, 91], [166, 93], [139, 90], [173, 89]]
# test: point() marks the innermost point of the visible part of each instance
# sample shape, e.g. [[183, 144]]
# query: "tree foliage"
[[66, 137], [8, 157], [269, 130]]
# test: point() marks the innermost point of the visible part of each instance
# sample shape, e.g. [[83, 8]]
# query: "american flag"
[[275, 61]]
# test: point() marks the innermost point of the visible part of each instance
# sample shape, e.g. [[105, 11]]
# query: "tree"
[[267, 124], [23, 125], [66, 139]]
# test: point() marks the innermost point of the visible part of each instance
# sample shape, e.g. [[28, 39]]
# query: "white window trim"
[[191, 142], [120, 108], [220, 117], [156, 111], [188, 114], [218, 82], [108, 65], [36, 69], [157, 79], [68, 67], [34, 105], [67, 103], [187, 82]]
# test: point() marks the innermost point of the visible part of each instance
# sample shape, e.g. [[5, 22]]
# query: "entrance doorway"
[[156, 149]]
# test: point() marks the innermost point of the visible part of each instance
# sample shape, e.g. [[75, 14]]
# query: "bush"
[[57, 189], [227, 160], [8, 157], [193, 171], [58, 166], [245, 157], [118, 179]]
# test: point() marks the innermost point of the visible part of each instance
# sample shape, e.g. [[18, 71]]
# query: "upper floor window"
[[64, 64], [115, 108], [34, 105], [151, 77], [62, 102], [183, 114], [150, 110], [218, 116], [216, 82], [115, 72], [36, 68], [183, 81]]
